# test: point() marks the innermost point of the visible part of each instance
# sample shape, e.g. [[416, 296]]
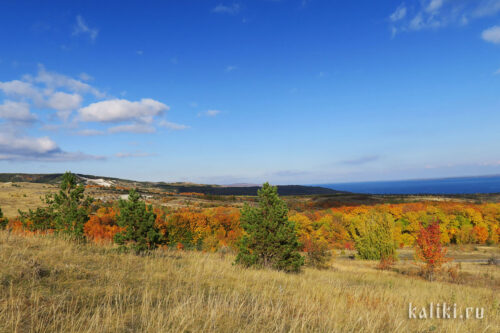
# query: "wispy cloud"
[[71, 125], [82, 28], [434, 14], [231, 9], [231, 68], [173, 126], [90, 132], [361, 160], [132, 128], [434, 5], [134, 154], [399, 13], [54, 80], [209, 113], [85, 77]]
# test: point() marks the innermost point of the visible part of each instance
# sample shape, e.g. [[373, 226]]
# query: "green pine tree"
[[71, 207], [138, 221], [65, 212], [270, 240]]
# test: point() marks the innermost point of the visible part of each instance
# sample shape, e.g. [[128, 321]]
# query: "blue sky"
[[289, 91]]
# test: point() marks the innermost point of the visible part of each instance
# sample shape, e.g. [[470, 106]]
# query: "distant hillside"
[[243, 189], [30, 178]]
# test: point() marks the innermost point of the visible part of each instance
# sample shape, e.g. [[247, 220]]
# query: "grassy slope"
[[51, 285], [22, 196]]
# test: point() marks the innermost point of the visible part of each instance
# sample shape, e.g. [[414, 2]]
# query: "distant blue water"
[[462, 185]]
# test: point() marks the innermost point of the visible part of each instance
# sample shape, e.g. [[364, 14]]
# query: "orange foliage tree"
[[207, 229], [480, 234], [429, 249], [102, 227]]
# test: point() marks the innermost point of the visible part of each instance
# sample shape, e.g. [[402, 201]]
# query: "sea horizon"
[[449, 185]]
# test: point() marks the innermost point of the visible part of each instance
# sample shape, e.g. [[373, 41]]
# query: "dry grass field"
[[52, 285], [14, 196]]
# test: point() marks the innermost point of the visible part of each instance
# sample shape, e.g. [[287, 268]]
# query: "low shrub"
[[318, 254], [386, 263]]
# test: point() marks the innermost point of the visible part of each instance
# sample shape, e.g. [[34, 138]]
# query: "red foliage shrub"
[[16, 226], [429, 249], [317, 252], [349, 245]]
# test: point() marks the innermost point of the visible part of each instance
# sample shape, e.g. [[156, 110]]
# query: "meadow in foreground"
[[48, 284]]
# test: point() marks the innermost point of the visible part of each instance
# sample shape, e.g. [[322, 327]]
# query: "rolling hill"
[[243, 189]]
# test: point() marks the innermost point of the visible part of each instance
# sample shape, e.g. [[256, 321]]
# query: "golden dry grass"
[[24, 196], [14, 196], [52, 285]]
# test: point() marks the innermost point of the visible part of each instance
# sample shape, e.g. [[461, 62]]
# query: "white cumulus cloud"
[[41, 145], [117, 110], [16, 111], [49, 91], [64, 103], [25, 148], [20, 89]]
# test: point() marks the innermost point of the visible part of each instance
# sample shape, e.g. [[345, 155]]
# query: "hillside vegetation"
[[48, 284], [169, 187]]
